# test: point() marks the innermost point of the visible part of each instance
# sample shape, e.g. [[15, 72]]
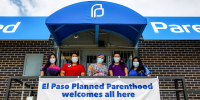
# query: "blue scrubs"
[[134, 72]]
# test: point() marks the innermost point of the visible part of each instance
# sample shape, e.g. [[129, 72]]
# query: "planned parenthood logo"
[[93, 11]]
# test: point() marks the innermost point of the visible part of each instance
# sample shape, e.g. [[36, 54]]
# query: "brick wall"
[[12, 55], [163, 58], [173, 58]]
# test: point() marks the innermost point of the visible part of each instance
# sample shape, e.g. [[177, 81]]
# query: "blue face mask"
[[135, 64], [52, 60], [99, 60], [74, 59], [116, 59]]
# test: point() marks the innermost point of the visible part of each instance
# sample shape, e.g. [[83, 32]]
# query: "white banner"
[[98, 89]]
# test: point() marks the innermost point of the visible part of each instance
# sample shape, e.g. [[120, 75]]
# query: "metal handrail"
[[175, 78]]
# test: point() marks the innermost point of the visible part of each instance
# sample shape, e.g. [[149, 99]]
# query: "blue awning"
[[96, 15]]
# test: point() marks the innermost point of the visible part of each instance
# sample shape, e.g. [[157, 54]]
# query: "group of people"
[[117, 68]]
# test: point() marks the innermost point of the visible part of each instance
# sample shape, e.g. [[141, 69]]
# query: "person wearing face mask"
[[73, 68], [50, 68], [98, 69], [138, 69], [118, 68]]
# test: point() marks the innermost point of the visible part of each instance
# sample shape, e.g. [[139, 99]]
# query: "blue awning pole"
[[96, 34]]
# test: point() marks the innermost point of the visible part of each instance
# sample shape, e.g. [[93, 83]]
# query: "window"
[[33, 64]]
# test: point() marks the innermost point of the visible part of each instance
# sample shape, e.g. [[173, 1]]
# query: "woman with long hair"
[[73, 68], [98, 69], [118, 67], [138, 69], [50, 68]]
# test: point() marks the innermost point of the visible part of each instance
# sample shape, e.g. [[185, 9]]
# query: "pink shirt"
[[51, 71]]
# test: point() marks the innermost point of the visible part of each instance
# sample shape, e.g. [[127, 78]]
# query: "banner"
[[158, 28], [23, 28], [98, 89], [172, 28]]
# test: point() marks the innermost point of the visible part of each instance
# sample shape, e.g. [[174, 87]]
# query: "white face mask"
[[99, 60], [116, 59], [52, 60], [135, 64], [75, 59]]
